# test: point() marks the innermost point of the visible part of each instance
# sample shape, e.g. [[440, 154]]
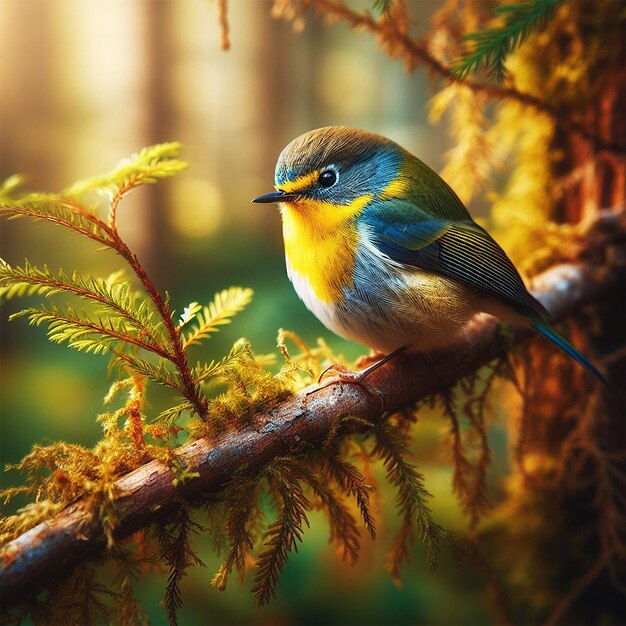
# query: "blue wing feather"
[[460, 249], [464, 251]]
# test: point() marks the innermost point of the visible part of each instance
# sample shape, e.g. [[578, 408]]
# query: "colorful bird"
[[382, 251]]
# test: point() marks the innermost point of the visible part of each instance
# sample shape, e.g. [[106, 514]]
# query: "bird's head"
[[334, 169]]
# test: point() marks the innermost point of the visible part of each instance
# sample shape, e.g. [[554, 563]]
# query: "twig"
[[222, 10], [401, 44], [561, 608], [178, 355], [52, 548]]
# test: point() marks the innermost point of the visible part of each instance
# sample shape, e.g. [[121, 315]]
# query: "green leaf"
[[226, 304]]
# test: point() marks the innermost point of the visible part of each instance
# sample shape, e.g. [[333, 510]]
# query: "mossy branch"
[[148, 493]]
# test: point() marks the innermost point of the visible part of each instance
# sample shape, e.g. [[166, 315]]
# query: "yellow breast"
[[320, 243]]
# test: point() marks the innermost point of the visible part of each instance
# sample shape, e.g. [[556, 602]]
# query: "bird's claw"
[[336, 368], [358, 378], [345, 375]]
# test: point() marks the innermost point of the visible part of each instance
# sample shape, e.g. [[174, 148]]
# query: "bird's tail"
[[547, 331]]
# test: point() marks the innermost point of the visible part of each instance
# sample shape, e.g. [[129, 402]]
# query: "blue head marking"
[[363, 163]]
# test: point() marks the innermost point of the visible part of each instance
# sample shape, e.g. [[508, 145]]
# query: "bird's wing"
[[461, 250]]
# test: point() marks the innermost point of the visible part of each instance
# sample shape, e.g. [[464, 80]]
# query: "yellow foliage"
[[469, 163], [520, 213]]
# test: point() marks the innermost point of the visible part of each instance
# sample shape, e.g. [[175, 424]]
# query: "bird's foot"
[[346, 375]]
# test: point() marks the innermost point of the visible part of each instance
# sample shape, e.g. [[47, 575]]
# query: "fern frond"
[[171, 414], [469, 478], [241, 511], [241, 351], [226, 304], [283, 535], [80, 599], [84, 333], [147, 166], [117, 298], [315, 472], [158, 373], [57, 210], [412, 499], [343, 528], [493, 45], [174, 537], [129, 611], [350, 479]]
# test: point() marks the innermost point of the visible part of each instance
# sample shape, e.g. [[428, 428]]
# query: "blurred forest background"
[[85, 83]]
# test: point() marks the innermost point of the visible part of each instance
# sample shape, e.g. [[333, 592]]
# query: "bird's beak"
[[275, 196]]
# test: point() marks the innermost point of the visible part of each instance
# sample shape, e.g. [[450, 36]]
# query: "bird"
[[383, 252]]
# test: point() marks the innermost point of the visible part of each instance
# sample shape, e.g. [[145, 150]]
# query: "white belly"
[[416, 313], [325, 313]]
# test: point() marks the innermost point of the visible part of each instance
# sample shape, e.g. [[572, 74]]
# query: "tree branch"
[[400, 44], [53, 547]]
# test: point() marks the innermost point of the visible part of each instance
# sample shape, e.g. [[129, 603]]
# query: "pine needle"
[[493, 45], [412, 500], [242, 509], [382, 6], [283, 535], [175, 551]]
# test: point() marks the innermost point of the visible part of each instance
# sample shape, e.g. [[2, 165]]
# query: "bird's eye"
[[327, 178]]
